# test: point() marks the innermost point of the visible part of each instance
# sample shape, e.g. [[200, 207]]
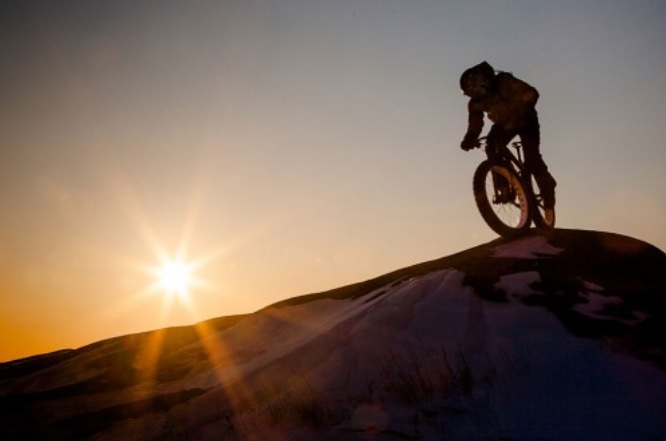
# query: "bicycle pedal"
[[504, 197]]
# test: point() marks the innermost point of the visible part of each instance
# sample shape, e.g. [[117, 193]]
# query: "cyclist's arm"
[[474, 121]]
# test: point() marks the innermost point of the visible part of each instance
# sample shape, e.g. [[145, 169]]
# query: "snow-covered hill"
[[555, 336]]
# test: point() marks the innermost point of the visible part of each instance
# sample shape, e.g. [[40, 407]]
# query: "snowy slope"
[[547, 337]]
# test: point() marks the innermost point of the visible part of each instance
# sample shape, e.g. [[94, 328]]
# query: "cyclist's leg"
[[530, 136], [497, 138]]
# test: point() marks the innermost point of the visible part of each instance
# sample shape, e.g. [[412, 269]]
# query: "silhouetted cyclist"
[[510, 105]]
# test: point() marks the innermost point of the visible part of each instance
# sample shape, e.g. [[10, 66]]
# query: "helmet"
[[476, 80]]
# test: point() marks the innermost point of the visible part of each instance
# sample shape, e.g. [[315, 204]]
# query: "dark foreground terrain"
[[553, 336]]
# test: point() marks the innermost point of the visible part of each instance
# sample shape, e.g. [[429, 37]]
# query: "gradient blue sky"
[[290, 146]]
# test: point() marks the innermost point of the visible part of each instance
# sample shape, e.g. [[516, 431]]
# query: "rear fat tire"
[[508, 219]]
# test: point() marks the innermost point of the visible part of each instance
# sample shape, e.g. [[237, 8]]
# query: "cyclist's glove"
[[467, 144]]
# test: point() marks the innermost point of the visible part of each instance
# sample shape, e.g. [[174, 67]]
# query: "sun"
[[175, 277]]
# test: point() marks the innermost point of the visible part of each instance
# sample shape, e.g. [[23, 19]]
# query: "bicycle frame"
[[508, 156], [509, 207], [516, 160]]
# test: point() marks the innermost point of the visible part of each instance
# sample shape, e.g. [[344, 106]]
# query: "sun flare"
[[175, 277]]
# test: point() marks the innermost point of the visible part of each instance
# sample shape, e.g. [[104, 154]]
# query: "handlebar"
[[483, 140], [482, 143]]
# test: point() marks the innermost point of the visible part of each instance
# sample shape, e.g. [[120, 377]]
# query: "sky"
[[284, 147]]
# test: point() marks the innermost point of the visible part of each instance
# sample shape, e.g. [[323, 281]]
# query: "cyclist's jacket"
[[507, 104]]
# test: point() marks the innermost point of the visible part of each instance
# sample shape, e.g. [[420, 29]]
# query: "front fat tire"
[[509, 219]]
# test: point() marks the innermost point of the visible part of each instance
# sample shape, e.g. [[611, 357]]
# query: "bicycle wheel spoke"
[[510, 212], [501, 199]]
